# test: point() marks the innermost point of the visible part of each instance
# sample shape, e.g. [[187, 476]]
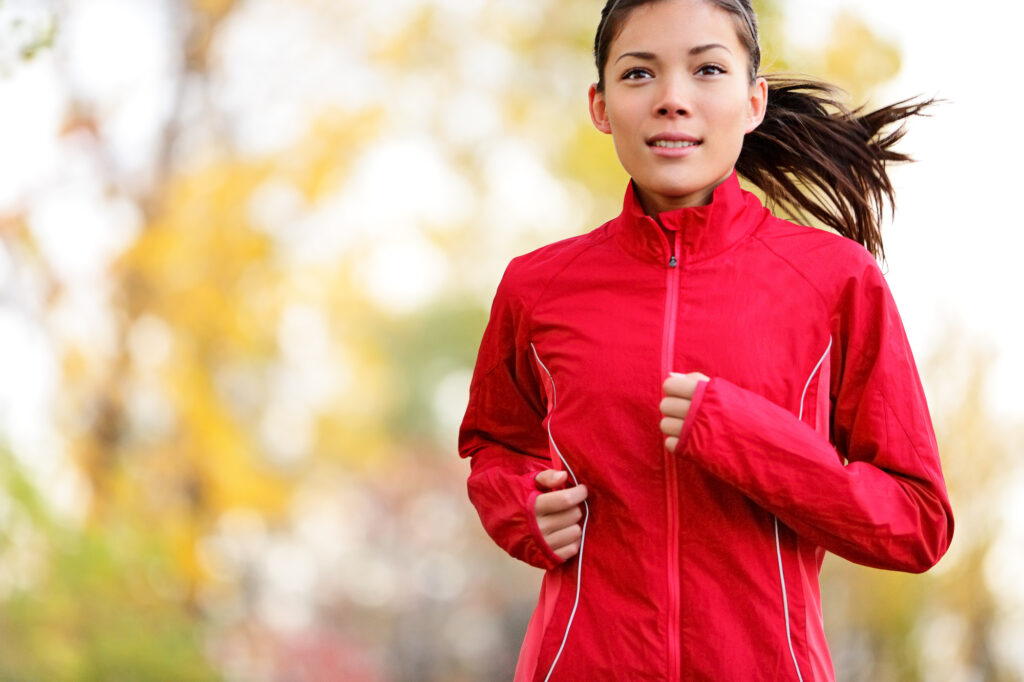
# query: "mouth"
[[673, 144]]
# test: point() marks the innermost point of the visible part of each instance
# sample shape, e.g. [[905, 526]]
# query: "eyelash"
[[627, 76], [637, 70], [719, 69]]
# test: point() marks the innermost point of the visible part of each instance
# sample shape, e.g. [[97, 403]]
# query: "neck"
[[653, 204]]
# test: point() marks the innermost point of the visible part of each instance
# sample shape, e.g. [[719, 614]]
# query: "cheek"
[[623, 113], [731, 117], [624, 124]]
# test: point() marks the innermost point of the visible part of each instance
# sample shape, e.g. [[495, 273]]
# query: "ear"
[[599, 110], [758, 104]]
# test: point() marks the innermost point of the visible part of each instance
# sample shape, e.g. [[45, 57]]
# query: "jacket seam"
[[517, 451], [513, 298], [528, 309], [811, 283], [472, 407], [906, 434], [586, 515]]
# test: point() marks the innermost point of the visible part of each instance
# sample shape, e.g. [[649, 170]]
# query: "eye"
[[636, 73], [711, 70]]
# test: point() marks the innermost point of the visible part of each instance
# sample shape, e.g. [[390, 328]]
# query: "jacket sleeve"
[[884, 506], [504, 436]]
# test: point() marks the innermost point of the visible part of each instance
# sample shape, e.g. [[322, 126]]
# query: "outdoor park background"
[[247, 250]]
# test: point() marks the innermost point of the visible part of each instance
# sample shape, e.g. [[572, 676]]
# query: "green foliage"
[[422, 349], [26, 34], [83, 604], [42, 41], [115, 598]]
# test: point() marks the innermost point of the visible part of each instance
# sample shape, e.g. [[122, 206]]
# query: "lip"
[[673, 137]]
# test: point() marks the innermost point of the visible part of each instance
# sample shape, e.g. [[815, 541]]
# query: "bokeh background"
[[247, 250]]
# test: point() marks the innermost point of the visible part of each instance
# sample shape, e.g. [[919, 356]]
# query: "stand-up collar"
[[706, 230]]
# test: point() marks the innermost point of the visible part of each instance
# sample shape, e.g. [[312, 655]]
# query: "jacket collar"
[[705, 230]]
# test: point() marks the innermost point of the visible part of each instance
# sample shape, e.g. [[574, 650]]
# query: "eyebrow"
[[650, 56]]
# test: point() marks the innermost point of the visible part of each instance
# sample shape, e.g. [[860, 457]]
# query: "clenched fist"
[[559, 513], [679, 390]]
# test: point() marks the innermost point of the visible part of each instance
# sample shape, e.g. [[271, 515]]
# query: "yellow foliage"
[[857, 59], [216, 8], [593, 162], [219, 284], [222, 452], [186, 266], [409, 45], [319, 164]]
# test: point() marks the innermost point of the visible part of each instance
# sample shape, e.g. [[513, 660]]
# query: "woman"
[[680, 412]]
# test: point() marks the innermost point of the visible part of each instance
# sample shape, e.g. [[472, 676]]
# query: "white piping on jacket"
[[778, 548], [813, 372], [586, 514]]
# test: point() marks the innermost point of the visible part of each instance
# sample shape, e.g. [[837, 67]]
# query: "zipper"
[[672, 481]]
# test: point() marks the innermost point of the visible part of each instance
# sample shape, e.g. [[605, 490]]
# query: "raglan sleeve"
[[503, 434], [873, 491]]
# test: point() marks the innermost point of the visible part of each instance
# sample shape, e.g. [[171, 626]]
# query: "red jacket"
[[812, 435]]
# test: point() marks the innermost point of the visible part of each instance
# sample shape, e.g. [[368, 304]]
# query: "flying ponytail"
[[816, 156], [811, 153]]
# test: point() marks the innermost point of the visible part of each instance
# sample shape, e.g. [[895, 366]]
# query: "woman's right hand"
[[559, 513]]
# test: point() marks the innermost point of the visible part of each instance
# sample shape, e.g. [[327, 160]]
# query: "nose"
[[672, 99]]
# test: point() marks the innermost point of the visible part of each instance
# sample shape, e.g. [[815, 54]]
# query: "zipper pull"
[[672, 262]]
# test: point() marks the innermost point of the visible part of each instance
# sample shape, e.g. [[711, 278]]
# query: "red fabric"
[[812, 435]]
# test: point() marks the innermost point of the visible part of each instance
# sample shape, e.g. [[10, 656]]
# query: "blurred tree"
[[26, 29], [270, 435], [88, 604], [886, 626]]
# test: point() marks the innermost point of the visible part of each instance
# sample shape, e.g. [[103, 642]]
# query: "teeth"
[[669, 144]]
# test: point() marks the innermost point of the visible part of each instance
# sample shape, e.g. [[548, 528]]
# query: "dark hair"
[[811, 153]]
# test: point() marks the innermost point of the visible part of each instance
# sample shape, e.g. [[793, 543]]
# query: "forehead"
[[676, 25]]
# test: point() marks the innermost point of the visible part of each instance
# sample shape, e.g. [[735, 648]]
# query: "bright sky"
[[954, 248]]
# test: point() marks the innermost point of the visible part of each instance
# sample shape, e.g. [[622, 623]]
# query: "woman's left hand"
[[679, 390]]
